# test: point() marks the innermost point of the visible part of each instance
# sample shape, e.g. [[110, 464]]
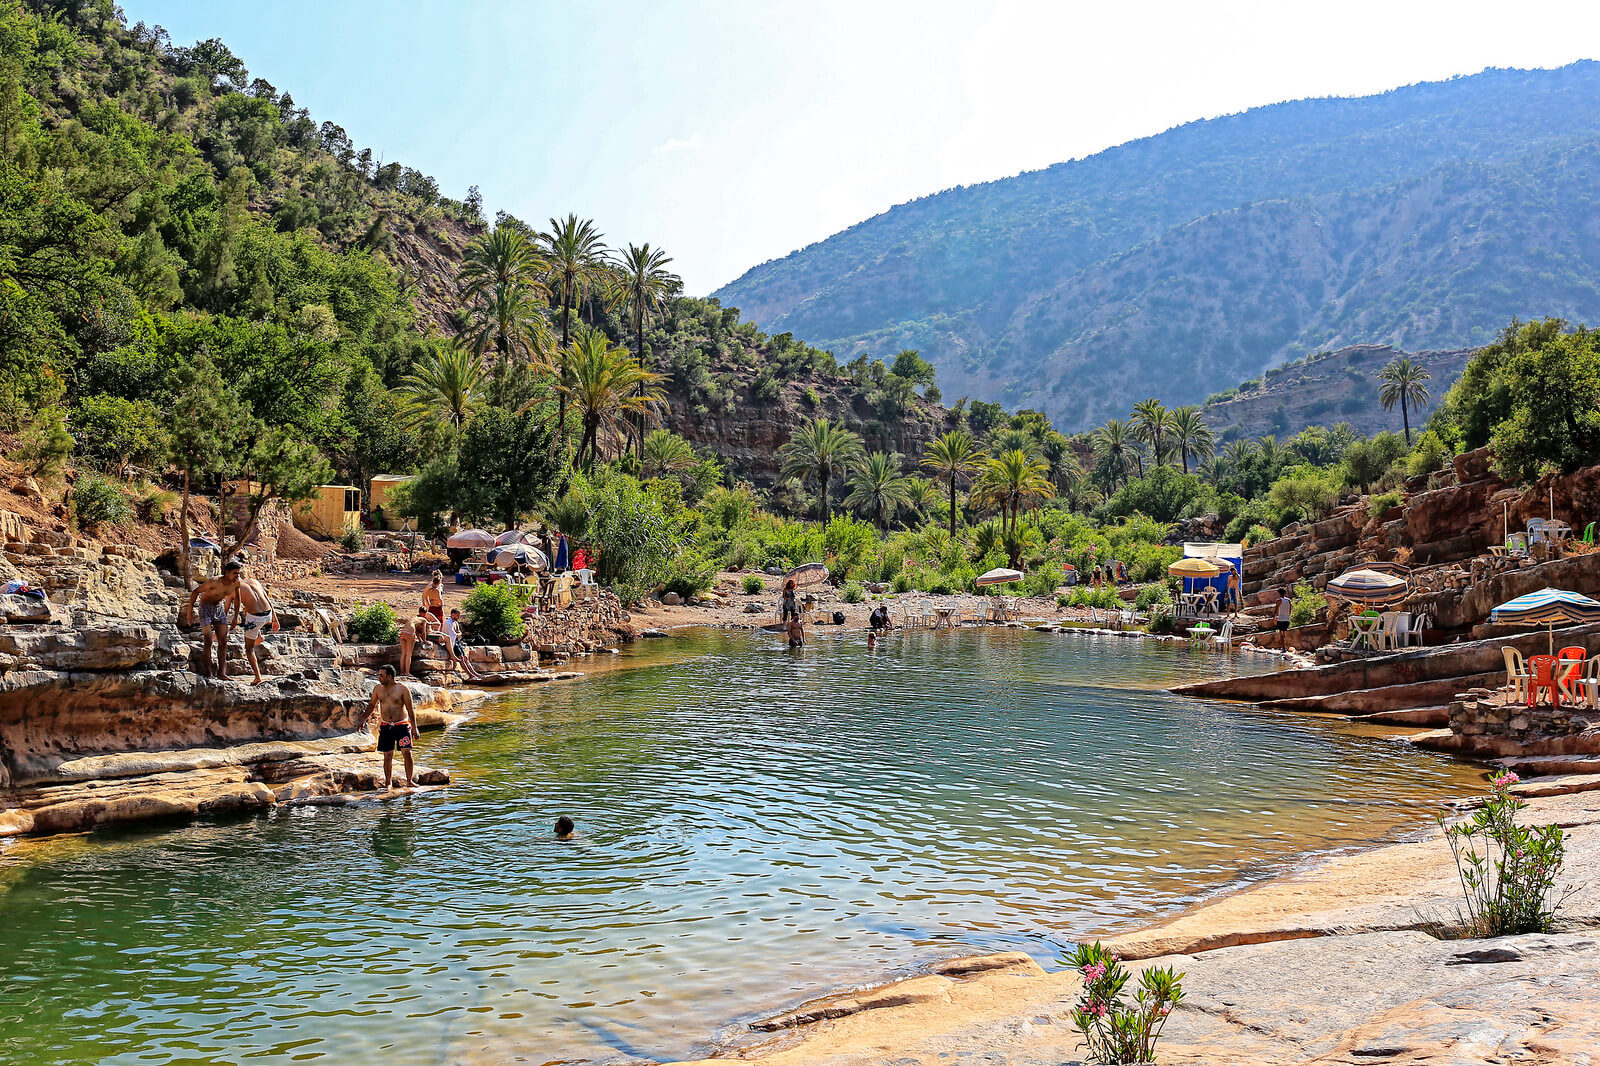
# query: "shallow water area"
[[757, 825]]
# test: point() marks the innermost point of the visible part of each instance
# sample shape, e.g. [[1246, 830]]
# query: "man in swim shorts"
[[397, 723], [253, 616], [208, 604]]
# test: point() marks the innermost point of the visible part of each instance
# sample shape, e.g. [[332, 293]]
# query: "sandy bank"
[[1327, 965]]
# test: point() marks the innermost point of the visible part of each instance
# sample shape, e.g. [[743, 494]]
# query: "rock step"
[[1431, 717], [1547, 765], [1408, 696]]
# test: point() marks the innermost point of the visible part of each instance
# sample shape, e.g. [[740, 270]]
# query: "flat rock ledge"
[[1336, 964]]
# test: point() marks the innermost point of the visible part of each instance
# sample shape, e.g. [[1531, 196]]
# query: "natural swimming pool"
[[757, 826]]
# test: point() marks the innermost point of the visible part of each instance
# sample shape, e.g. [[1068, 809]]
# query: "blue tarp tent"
[[1232, 554]]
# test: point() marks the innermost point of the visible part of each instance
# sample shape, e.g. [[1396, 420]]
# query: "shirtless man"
[[433, 597], [213, 597], [454, 650], [253, 615], [397, 723], [797, 633]]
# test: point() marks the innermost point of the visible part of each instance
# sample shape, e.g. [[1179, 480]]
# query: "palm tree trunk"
[[952, 506], [1405, 419], [1185, 453], [566, 310], [824, 473], [638, 345]]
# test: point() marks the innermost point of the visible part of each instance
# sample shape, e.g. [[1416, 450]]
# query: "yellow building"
[[331, 510], [378, 496]]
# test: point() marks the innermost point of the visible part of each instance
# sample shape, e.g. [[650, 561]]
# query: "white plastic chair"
[[929, 618], [1516, 674], [1223, 641], [1419, 622], [1388, 630]]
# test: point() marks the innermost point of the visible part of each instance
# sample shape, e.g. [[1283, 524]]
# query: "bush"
[[493, 614], [1508, 872], [113, 432], [1162, 621], [350, 540], [45, 444], [156, 505], [1116, 1030], [1257, 535], [1151, 595], [98, 501], [373, 624], [1307, 604], [689, 574], [852, 592], [901, 583], [1430, 454], [1383, 502], [752, 585]]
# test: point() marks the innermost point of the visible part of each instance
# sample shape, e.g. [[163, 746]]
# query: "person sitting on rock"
[[416, 632], [213, 597], [397, 723], [253, 615], [450, 640]]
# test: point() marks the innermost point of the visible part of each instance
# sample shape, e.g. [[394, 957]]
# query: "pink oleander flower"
[[1094, 971], [1163, 1010], [1505, 780], [1095, 1009]]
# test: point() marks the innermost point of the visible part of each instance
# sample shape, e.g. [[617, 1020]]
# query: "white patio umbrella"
[[1000, 575], [471, 538], [808, 574], [1547, 607], [511, 536]]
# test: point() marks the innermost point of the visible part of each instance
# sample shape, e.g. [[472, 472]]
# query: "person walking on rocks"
[[433, 597], [253, 615], [397, 724], [208, 605], [1285, 609]]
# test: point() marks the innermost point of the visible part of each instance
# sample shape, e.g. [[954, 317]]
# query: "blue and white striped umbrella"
[[1367, 586], [1547, 607]]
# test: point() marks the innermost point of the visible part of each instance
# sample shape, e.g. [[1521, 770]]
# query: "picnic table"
[[1364, 631], [945, 617]]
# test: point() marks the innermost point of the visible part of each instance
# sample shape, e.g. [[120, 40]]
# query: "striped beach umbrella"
[[1367, 586], [1547, 607], [808, 574], [511, 536], [1000, 575]]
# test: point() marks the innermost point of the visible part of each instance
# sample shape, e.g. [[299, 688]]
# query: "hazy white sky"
[[733, 131]]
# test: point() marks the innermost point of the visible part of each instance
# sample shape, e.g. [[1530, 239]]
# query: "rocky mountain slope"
[[1335, 386], [1425, 217]]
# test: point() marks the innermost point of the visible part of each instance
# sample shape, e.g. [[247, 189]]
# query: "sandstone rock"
[[671, 599], [24, 609]]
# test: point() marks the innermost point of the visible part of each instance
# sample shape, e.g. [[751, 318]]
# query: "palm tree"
[[510, 316], [1238, 453], [1115, 443], [1405, 381], [1191, 435], [1011, 481], [820, 449], [1270, 450], [921, 495], [443, 388], [878, 488], [1151, 424], [503, 256], [576, 254], [641, 284], [951, 456], [606, 385], [665, 454]]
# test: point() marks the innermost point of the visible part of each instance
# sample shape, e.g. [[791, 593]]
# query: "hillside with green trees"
[[1422, 218]]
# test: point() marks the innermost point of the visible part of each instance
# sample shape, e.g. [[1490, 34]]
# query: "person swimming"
[[566, 828]]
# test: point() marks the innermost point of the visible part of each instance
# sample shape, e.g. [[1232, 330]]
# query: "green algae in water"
[[757, 825]]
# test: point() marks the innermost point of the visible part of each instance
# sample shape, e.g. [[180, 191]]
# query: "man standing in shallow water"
[[214, 597], [397, 723]]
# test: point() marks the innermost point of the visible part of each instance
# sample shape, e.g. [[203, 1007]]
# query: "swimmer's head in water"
[[565, 827]]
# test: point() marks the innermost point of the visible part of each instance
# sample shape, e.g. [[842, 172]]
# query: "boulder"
[[24, 609], [671, 599]]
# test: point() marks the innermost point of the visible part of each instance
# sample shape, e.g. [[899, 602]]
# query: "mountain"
[[1424, 217], [1324, 388]]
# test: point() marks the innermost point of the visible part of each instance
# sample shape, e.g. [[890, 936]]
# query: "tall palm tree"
[[576, 256], [820, 449], [641, 284], [607, 385], [1270, 450], [443, 388], [1238, 453], [1191, 435], [1011, 481], [665, 454], [1152, 423], [1116, 443], [510, 317], [503, 256], [954, 456], [878, 488], [1405, 381]]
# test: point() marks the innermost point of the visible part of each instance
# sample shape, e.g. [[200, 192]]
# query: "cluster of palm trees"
[[517, 341], [1152, 432]]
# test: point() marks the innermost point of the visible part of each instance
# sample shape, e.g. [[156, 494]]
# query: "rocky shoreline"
[[1333, 964]]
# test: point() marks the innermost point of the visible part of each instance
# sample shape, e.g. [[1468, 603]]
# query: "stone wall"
[[1481, 712]]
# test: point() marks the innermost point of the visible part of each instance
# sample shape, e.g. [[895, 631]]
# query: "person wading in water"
[[397, 723]]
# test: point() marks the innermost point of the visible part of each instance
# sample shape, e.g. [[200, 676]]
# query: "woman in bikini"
[[433, 597]]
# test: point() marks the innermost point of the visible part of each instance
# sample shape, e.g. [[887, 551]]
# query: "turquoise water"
[[757, 826]]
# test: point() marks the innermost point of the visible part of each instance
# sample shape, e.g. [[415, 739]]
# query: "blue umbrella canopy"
[[1547, 607]]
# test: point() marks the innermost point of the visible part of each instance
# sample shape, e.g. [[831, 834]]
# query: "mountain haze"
[[1424, 217]]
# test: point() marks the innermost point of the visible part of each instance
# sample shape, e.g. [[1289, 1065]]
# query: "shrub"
[[1307, 603], [1256, 535], [1118, 1030], [901, 583], [689, 574], [1151, 595], [373, 624], [1508, 871], [1162, 621], [114, 432], [1430, 454], [98, 501], [493, 614], [45, 444], [853, 592], [156, 504], [350, 540], [1383, 502], [752, 585]]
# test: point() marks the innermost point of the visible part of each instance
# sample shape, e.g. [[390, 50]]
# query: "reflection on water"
[[756, 826]]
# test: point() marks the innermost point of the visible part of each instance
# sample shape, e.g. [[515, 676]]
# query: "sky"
[[730, 132]]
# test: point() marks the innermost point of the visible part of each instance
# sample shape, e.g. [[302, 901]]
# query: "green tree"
[[607, 385], [820, 449], [878, 488], [1191, 435], [1012, 481], [507, 465], [1405, 381], [641, 287], [665, 454], [200, 440], [954, 456], [443, 389], [1152, 424], [576, 253], [1116, 446]]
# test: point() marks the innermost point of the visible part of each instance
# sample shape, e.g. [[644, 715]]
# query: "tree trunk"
[[1405, 419], [952, 506], [566, 310], [183, 532], [638, 344], [826, 510], [1185, 453]]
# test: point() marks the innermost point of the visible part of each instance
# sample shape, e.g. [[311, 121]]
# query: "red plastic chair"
[[1543, 669], [1569, 666]]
